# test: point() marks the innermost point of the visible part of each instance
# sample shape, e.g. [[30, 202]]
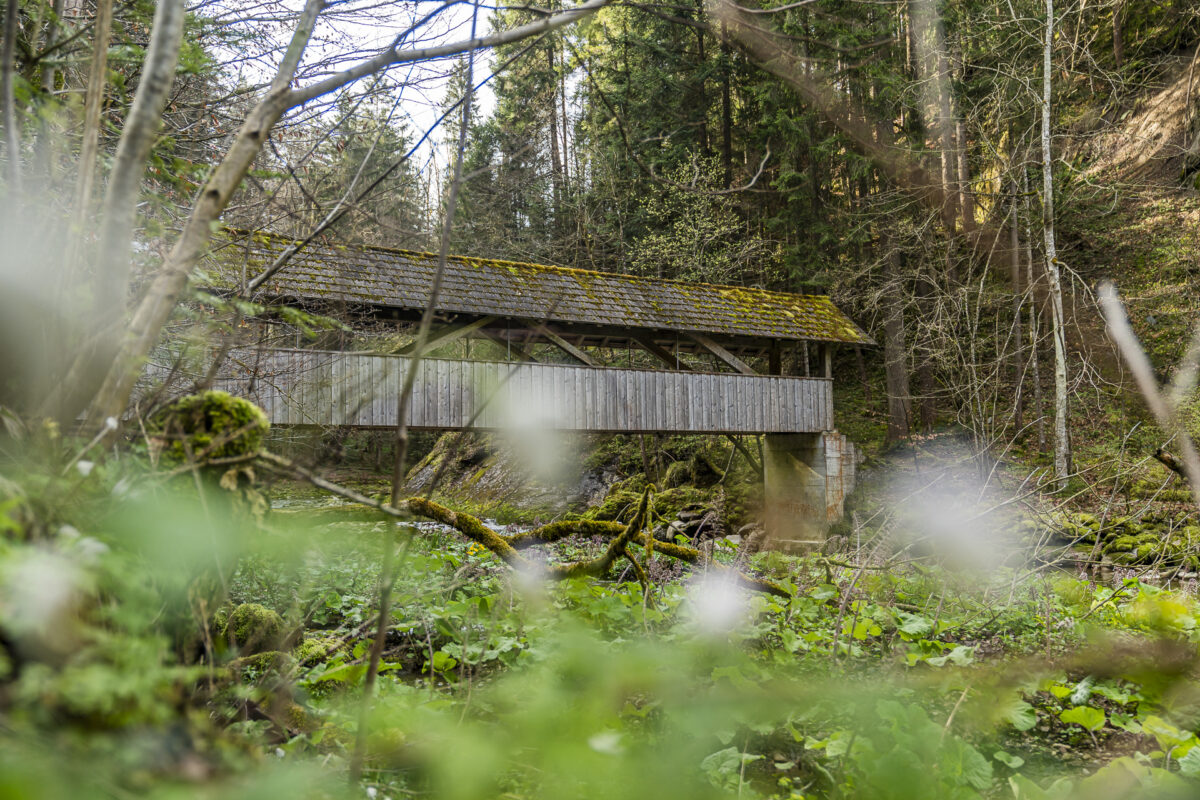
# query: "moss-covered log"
[[505, 547]]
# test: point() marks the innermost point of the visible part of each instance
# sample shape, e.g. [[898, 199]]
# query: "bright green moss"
[[624, 300], [253, 628], [211, 425], [315, 648]]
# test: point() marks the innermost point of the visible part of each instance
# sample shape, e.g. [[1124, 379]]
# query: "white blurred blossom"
[[718, 604]]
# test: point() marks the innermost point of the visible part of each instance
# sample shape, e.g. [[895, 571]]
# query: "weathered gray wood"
[[304, 387], [445, 335], [722, 354]]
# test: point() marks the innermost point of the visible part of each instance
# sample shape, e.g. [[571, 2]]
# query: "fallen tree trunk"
[[1171, 462], [506, 547]]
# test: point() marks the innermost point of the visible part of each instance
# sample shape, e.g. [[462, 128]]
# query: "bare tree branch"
[[1143, 373], [393, 56]]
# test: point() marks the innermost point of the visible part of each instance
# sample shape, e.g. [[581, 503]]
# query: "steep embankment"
[[1131, 214], [1134, 213]]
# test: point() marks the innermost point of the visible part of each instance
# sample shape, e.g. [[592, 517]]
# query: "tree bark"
[[1062, 446], [726, 111], [701, 70], [966, 198], [1118, 23], [946, 138], [895, 352], [45, 144], [1018, 349], [111, 281], [555, 160], [93, 99], [8, 107], [1035, 334]]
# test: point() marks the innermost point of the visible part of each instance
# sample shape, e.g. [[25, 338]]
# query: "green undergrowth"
[[156, 642]]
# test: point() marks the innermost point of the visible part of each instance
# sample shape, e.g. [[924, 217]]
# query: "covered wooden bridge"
[[719, 359]]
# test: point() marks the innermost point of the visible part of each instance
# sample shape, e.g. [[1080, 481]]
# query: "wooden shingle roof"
[[401, 279]]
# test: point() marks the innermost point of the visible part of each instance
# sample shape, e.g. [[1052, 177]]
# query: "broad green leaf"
[[1025, 789], [913, 625], [1125, 722], [1060, 691], [1092, 719], [1082, 692], [1167, 735], [1022, 716], [1189, 765]]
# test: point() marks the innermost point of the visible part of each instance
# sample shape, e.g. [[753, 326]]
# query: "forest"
[[994, 206]]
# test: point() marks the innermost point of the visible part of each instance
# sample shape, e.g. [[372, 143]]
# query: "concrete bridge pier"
[[808, 476]]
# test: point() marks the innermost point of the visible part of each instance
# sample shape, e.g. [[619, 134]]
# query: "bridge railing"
[[307, 387]]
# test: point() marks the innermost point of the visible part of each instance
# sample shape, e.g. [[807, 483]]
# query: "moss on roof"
[[401, 279]]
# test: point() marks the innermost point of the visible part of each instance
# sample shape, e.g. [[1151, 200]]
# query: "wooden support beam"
[[446, 335], [722, 354], [661, 353], [561, 343], [510, 346], [827, 350]]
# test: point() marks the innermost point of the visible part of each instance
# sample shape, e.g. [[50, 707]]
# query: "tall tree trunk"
[[46, 144], [1035, 333], [111, 280], [555, 160], [1062, 445], [726, 109], [1018, 348], [562, 95], [964, 177], [1119, 33], [93, 100], [8, 107], [895, 350], [702, 69], [926, 293], [946, 137]]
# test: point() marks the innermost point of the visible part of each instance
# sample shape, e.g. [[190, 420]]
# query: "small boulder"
[[253, 628]]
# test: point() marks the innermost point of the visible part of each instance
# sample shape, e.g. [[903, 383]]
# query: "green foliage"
[[847, 689]]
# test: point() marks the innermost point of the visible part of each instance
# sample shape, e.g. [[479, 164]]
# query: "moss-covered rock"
[[669, 503], [678, 474], [1121, 544], [616, 504], [253, 628], [315, 648], [299, 719], [259, 664], [211, 425]]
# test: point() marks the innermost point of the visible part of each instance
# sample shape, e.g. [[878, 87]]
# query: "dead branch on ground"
[[624, 536]]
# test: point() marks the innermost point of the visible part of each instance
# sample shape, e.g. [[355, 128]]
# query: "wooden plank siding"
[[306, 387]]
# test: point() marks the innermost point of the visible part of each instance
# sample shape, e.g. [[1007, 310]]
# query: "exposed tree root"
[[506, 547]]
